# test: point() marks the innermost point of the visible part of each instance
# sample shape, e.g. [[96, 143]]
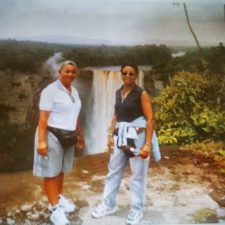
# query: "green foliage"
[[25, 57], [205, 215], [28, 57], [189, 109], [207, 148], [216, 59], [222, 152], [210, 121], [211, 62]]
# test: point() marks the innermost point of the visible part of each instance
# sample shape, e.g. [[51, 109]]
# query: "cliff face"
[[17, 94], [19, 97], [18, 110]]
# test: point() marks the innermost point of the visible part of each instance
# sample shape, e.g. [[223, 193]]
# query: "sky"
[[123, 22]]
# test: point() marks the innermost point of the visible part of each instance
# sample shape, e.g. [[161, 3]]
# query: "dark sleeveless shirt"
[[130, 108]]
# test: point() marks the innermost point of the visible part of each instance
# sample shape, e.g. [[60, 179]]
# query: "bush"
[[191, 109]]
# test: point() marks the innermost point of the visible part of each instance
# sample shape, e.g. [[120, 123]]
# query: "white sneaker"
[[65, 204], [103, 210], [134, 217], [58, 217]]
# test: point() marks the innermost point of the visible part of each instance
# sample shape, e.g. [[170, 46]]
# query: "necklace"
[[124, 94]]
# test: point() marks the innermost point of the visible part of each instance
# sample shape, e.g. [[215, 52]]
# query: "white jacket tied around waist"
[[127, 130]]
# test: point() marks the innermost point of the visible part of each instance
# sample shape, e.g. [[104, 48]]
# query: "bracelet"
[[147, 143]]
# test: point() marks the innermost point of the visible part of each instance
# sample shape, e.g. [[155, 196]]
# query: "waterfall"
[[104, 87], [101, 108], [140, 80]]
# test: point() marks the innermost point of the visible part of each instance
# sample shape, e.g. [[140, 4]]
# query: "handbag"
[[66, 138], [128, 149]]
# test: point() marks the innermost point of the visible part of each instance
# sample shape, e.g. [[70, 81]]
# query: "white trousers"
[[139, 169]]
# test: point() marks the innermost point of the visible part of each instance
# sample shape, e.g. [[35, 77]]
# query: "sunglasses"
[[129, 74]]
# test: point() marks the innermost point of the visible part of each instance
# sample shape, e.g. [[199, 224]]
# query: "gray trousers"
[[139, 168]]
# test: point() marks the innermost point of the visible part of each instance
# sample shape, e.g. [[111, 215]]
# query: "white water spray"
[[104, 87], [53, 63]]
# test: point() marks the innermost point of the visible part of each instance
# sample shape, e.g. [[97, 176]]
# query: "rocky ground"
[[180, 189]]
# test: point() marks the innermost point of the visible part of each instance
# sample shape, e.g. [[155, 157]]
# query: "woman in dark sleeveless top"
[[129, 141]]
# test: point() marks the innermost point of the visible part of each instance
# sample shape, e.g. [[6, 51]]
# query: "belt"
[[138, 130], [60, 131]]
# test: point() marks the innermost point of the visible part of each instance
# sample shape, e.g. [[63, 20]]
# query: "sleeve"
[[46, 100]]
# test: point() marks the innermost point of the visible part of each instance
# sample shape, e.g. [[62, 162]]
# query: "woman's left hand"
[[145, 151], [80, 142]]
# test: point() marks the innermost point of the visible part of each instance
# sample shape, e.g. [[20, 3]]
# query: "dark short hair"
[[131, 65]]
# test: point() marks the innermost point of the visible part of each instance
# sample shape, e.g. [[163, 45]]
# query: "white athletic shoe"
[[58, 217], [134, 217], [65, 204], [103, 210]]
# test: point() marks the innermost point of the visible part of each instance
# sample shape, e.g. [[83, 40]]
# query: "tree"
[[190, 26], [191, 29]]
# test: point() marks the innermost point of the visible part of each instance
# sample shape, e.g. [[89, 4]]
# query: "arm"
[[111, 134], [42, 147], [78, 128], [80, 137], [148, 113]]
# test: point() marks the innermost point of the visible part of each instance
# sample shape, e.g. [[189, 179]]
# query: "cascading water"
[[140, 80], [104, 86]]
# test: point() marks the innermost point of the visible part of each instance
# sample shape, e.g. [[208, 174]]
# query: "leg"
[[51, 187], [50, 169], [60, 182], [117, 165], [67, 165], [139, 169]]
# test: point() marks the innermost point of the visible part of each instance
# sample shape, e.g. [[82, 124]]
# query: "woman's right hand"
[[111, 144], [42, 148], [80, 142]]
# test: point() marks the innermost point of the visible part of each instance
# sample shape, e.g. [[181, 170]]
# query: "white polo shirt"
[[64, 107]]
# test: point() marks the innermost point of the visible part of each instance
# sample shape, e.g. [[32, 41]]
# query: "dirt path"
[[180, 189]]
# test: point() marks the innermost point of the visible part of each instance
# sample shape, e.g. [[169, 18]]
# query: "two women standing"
[[130, 140]]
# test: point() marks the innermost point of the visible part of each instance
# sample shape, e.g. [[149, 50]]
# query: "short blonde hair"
[[67, 62]]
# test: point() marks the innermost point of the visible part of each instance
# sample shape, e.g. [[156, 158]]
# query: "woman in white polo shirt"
[[59, 110]]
